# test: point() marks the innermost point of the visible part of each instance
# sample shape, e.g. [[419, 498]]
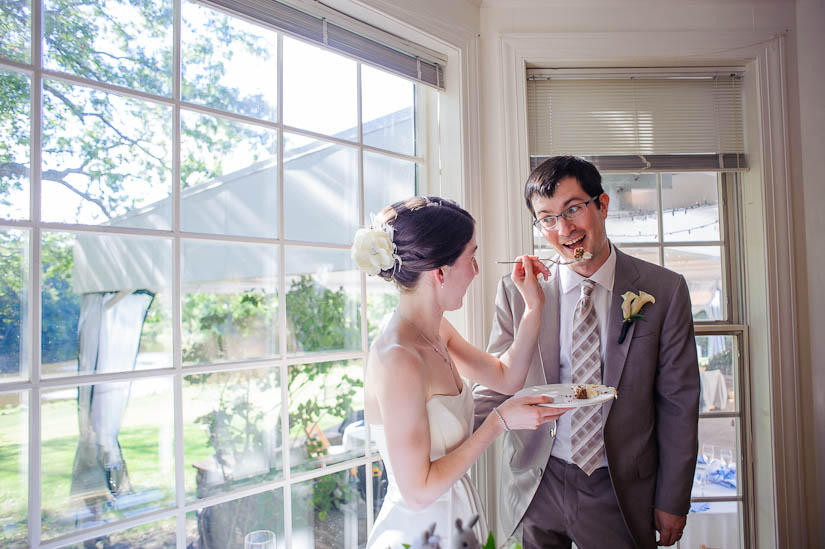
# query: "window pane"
[[718, 366], [633, 212], [386, 180], [225, 525], [154, 535], [717, 524], [105, 303], [690, 203], [231, 430], [717, 463], [702, 267], [326, 412], [323, 301], [320, 91], [230, 301], [15, 141], [115, 41], [651, 255], [388, 111], [14, 464], [14, 291], [106, 158], [107, 453], [382, 300], [320, 191], [379, 487], [228, 63], [540, 245], [15, 22], [229, 177], [330, 511]]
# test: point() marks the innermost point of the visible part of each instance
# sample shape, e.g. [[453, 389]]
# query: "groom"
[[609, 475]]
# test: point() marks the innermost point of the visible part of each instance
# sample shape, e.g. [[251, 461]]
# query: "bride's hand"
[[526, 271], [522, 412]]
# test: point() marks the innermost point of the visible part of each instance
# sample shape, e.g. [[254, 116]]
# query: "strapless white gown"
[[451, 422]]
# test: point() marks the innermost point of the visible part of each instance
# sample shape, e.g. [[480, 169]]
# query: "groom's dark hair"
[[428, 232], [546, 176]]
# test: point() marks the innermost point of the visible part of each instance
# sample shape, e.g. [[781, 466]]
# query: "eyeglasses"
[[550, 222]]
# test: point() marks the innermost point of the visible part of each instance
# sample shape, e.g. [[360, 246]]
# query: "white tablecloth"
[[716, 528], [714, 390], [712, 525]]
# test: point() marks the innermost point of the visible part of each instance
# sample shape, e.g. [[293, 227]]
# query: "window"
[[183, 330], [673, 183]]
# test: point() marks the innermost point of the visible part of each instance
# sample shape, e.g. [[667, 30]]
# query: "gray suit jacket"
[[651, 429]]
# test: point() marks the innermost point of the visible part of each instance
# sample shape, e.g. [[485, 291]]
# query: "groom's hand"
[[669, 526]]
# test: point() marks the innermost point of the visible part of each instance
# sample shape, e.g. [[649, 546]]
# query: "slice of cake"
[[579, 254], [593, 390]]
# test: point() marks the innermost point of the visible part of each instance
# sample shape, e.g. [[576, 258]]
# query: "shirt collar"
[[571, 280]]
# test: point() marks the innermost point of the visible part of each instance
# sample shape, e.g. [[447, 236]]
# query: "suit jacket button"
[[540, 471]]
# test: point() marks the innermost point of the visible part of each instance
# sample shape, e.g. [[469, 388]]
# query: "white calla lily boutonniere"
[[632, 304]]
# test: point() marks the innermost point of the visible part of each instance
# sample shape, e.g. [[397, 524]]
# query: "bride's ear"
[[437, 277], [441, 273]]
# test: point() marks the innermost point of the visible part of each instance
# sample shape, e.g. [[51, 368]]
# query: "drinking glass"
[[259, 539], [726, 455], [707, 453]]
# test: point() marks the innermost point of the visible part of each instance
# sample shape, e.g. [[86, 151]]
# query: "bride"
[[418, 404]]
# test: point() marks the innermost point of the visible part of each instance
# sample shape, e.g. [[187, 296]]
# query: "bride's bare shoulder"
[[392, 354]]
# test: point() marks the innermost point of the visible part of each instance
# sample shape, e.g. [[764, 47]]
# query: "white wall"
[[806, 85]]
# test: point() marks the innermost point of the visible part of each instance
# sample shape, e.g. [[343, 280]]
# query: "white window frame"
[[442, 161], [778, 483]]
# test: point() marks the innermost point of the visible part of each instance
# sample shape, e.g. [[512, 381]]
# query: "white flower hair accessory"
[[373, 249]]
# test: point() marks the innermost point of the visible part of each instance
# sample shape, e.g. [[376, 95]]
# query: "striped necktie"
[[587, 442]]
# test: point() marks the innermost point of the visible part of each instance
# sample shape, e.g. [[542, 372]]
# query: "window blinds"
[[639, 122], [344, 35]]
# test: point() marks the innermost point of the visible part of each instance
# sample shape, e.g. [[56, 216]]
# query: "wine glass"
[[703, 471], [259, 539], [707, 453], [726, 455]]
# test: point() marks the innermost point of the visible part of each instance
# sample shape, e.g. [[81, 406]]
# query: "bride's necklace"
[[444, 356]]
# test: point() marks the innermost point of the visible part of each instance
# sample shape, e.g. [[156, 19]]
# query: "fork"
[[550, 260]]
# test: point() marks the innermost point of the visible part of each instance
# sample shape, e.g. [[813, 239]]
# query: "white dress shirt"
[[570, 288]]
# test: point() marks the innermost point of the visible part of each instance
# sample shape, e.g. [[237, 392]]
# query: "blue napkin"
[[699, 506], [723, 475]]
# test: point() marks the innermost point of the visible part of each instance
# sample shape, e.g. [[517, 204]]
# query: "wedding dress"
[[451, 422]]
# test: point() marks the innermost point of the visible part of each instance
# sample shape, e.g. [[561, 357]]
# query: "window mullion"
[[282, 320], [34, 303], [660, 219]]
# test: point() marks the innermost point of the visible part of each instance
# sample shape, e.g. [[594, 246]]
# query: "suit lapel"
[[615, 354]]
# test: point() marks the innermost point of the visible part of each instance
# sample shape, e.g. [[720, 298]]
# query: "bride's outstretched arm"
[[505, 374], [402, 395]]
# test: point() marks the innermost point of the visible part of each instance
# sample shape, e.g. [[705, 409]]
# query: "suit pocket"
[[639, 335], [646, 463]]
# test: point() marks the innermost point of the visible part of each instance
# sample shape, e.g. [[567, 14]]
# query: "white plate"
[[562, 394]]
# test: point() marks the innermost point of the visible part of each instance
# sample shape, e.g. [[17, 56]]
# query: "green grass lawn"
[[140, 440], [147, 442]]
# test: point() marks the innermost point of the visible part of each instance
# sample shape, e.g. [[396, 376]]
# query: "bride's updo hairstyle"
[[428, 232]]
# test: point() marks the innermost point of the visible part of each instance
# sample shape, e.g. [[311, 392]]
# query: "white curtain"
[[108, 340]]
